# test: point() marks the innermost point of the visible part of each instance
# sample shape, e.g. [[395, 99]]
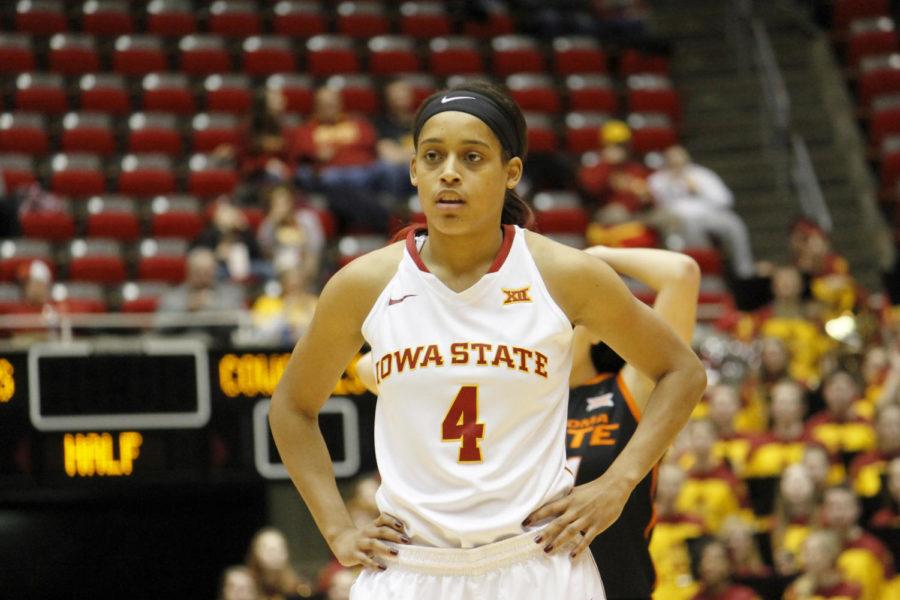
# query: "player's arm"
[[643, 340], [675, 278], [315, 366]]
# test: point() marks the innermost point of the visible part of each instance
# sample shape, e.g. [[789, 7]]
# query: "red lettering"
[[432, 354], [540, 361], [523, 354], [503, 356], [407, 358], [481, 350], [460, 351]]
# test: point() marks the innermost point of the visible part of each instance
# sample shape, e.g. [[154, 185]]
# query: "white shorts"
[[512, 568]]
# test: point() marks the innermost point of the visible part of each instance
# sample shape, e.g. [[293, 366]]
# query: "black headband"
[[478, 105]]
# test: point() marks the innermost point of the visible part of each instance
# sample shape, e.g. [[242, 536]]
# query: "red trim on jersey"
[[509, 233]]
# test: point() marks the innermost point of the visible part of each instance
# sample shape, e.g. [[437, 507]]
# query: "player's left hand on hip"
[[578, 517]]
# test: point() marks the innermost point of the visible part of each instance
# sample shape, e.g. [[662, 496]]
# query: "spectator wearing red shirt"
[[889, 515], [867, 468], [782, 445], [616, 179], [714, 572], [838, 427], [335, 153]]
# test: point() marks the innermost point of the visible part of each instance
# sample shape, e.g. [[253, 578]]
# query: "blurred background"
[[180, 177]]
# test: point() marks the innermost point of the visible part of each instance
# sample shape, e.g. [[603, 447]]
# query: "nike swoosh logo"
[[393, 301], [445, 99]]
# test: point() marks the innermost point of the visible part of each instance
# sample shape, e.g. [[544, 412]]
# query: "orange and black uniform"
[[602, 418]]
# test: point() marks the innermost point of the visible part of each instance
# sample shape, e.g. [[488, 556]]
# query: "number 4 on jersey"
[[461, 423]]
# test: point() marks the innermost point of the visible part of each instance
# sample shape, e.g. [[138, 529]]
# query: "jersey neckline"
[[509, 233]]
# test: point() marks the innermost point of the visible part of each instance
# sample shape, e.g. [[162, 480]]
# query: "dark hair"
[[515, 210], [605, 359]]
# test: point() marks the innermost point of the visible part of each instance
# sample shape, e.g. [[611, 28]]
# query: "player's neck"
[[461, 255]]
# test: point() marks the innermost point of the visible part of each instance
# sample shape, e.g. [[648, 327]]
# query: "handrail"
[[776, 94], [809, 192]]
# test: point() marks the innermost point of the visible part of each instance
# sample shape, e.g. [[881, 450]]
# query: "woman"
[[484, 484], [269, 563]]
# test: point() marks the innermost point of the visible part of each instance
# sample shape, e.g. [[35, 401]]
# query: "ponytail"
[[516, 211]]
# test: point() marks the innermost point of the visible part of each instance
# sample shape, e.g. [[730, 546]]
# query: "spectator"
[[713, 570], [703, 205], [340, 584], [200, 292], [724, 410], [774, 362], [264, 154], [35, 280], [875, 369], [838, 427], [238, 584], [237, 253], [746, 560], [335, 153], [889, 391], [269, 562], [283, 317], [395, 144], [811, 253], [888, 516], [867, 468], [863, 558], [362, 505], [783, 443], [824, 468], [668, 545], [291, 235], [796, 510], [821, 576], [712, 490]]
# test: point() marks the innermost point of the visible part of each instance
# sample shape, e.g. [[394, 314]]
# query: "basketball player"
[[605, 407], [605, 404], [470, 322]]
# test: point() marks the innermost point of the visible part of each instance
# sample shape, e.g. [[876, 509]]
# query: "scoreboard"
[[110, 413]]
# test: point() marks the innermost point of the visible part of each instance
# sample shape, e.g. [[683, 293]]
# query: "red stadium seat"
[[361, 19], [516, 54], [73, 54], [168, 92], [87, 132], [16, 169], [653, 93], [234, 18], [41, 17], [211, 130], [138, 55], [173, 18], [16, 253], [708, 259], [583, 131], [56, 225], [423, 85], [354, 246], [16, 53], [542, 135], [885, 118], [392, 54], [878, 75], [425, 20], [112, 216], [146, 175], [331, 54], [162, 260], [577, 54], [534, 92], [203, 55], [178, 216], [298, 91], [79, 297], [268, 54], [41, 92], [153, 132], [77, 174], [651, 132], [141, 296], [498, 22], [871, 37], [591, 93], [106, 17], [209, 177], [23, 132], [96, 261], [845, 11], [357, 92], [634, 62], [454, 55], [104, 92], [560, 211], [228, 92], [298, 18]]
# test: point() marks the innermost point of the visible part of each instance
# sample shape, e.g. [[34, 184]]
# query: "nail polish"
[[537, 540], [548, 548], [404, 539], [394, 551]]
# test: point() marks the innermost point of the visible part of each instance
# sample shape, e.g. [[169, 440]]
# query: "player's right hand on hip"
[[365, 545]]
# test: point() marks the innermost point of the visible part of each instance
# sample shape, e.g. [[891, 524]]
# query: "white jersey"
[[473, 389]]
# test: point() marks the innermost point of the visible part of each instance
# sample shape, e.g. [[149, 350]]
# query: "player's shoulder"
[[359, 283], [554, 258]]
